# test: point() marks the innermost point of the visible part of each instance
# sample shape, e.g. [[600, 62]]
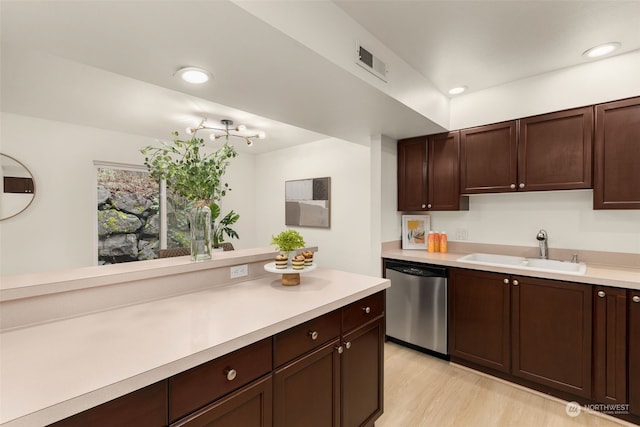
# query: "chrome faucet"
[[544, 249]]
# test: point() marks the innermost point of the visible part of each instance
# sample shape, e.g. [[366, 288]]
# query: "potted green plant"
[[222, 227], [196, 175], [288, 241]]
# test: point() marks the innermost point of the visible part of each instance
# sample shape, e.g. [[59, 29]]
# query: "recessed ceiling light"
[[601, 50], [457, 90], [193, 75]]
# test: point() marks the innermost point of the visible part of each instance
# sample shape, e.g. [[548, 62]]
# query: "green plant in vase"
[[222, 227], [195, 174]]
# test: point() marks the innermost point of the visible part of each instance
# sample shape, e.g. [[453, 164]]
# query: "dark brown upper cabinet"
[[555, 151], [547, 152], [488, 158], [617, 153], [429, 174]]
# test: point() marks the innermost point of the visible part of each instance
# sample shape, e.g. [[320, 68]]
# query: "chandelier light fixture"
[[239, 131]]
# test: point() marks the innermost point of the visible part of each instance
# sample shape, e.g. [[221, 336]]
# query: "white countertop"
[[53, 370], [605, 275]]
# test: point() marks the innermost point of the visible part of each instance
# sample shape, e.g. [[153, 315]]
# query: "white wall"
[[59, 229], [586, 84], [513, 219], [391, 218], [347, 244]]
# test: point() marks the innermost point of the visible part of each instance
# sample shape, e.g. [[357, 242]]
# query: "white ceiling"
[[109, 64], [481, 44]]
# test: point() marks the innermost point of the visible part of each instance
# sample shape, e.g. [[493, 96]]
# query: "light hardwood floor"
[[422, 390]]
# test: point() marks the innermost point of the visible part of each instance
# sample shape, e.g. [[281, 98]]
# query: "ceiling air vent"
[[369, 62]]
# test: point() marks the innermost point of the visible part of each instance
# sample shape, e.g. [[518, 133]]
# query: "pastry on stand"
[[290, 274]]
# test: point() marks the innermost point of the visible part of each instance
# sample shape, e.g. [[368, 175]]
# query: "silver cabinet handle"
[[512, 186], [231, 374], [313, 335], [506, 281], [636, 298], [429, 205], [347, 345], [424, 206], [601, 294], [521, 185], [340, 349], [366, 309], [515, 283]]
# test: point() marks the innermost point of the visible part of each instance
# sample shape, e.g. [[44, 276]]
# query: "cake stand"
[[290, 277]]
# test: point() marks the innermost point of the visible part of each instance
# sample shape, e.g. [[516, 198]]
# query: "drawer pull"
[[231, 374], [636, 298], [515, 283], [601, 294], [313, 335], [347, 345], [340, 349], [506, 281], [367, 310]]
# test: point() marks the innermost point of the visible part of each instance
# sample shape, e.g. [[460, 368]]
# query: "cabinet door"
[[146, 407], [250, 406], [443, 169], [634, 352], [362, 375], [488, 158], [610, 345], [307, 391], [617, 150], [554, 151], [479, 318], [412, 174], [551, 334]]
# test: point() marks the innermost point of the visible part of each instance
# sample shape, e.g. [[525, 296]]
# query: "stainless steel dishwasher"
[[417, 306]]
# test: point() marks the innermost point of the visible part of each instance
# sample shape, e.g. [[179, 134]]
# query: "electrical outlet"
[[239, 271], [462, 234]]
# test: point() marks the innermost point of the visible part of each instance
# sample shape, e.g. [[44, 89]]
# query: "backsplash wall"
[[567, 216]]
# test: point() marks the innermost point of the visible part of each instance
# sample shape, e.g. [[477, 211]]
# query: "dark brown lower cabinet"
[[609, 345], [146, 407], [362, 375], [251, 406], [479, 318], [551, 333], [307, 391], [533, 329], [634, 352]]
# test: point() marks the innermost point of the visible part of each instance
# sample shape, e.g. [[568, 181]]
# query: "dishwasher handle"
[[425, 270]]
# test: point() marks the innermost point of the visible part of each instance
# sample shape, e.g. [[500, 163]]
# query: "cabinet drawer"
[[360, 312], [146, 407], [300, 339], [199, 386]]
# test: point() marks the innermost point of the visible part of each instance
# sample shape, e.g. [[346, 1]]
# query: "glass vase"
[[200, 230]]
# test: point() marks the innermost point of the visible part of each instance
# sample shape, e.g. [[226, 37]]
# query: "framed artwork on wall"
[[414, 231], [308, 202]]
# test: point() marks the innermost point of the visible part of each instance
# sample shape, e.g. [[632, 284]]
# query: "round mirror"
[[17, 188]]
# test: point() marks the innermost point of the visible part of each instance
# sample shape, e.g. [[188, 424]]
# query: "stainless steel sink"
[[535, 264]]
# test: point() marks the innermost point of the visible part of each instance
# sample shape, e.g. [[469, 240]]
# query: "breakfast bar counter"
[[55, 369]]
